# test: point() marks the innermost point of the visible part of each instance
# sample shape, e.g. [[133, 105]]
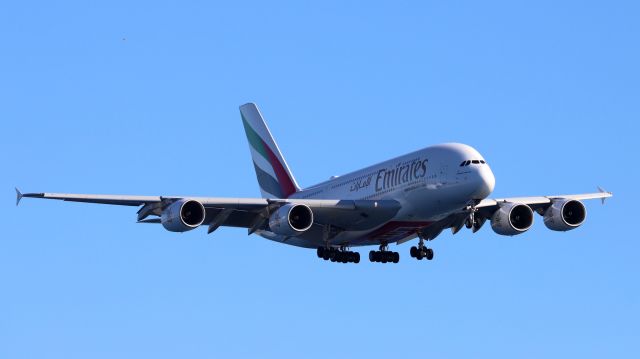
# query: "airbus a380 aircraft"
[[417, 195]]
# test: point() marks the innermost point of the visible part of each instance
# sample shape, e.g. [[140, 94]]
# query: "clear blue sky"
[[142, 98]]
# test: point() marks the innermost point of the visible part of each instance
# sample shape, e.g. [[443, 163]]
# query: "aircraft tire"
[[429, 254]]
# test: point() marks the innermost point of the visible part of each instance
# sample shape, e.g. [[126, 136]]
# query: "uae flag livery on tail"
[[274, 177]]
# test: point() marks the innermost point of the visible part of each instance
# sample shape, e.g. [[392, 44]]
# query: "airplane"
[[417, 195]]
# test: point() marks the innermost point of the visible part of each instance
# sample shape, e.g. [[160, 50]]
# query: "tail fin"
[[274, 177]]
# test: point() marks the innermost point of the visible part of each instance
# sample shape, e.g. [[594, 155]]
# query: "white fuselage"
[[430, 184]]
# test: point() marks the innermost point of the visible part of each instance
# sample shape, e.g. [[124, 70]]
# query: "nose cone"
[[485, 182]]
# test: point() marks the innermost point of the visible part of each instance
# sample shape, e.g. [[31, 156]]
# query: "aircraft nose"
[[485, 182]]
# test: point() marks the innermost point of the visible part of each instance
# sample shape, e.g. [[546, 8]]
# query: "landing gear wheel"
[[383, 255], [339, 252], [420, 252], [340, 255], [429, 254]]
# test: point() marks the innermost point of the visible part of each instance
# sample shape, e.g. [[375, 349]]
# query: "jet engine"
[[512, 218], [565, 215], [291, 219], [183, 215]]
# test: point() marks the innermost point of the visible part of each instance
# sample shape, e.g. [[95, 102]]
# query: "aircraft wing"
[[540, 202], [487, 207], [251, 213], [92, 198]]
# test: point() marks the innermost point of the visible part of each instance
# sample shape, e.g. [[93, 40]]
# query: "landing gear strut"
[[384, 255], [341, 255], [474, 221], [421, 251]]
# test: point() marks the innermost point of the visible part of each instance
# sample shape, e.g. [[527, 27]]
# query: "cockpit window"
[[468, 162]]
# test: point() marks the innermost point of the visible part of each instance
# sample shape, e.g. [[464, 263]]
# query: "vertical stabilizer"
[[274, 177]]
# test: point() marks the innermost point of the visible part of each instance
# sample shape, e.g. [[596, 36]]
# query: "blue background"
[[142, 98]]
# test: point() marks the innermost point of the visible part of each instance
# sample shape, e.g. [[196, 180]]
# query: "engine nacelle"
[[565, 215], [512, 218], [291, 219], [183, 215]]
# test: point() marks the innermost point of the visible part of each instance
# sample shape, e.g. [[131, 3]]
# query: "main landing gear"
[[421, 251], [338, 255], [384, 256]]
